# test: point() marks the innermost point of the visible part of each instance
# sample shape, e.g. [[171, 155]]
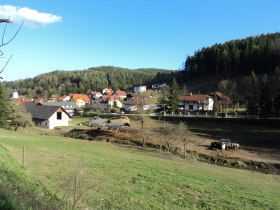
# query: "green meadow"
[[97, 175]]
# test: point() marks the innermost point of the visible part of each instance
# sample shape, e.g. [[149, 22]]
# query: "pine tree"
[[252, 94], [174, 92], [265, 102], [277, 104], [4, 107]]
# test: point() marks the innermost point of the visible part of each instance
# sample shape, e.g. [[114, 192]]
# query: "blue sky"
[[76, 35]]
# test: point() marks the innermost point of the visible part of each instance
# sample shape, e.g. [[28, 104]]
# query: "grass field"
[[104, 176]]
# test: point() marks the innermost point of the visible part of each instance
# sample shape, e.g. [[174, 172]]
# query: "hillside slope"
[[98, 78], [235, 58], [20, 190], [112, 177]]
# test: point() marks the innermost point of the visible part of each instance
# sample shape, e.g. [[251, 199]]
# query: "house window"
[[190, 107], [59, 115]]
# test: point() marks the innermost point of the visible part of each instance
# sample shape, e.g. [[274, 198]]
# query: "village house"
[[108, 102], [109, 91], [158, 86], [69, 106], [139, 89], [64, 98], [94, 96], [47, 116], [195, 102], [81, 99], [138, 103], [220, 98], [121, 94]]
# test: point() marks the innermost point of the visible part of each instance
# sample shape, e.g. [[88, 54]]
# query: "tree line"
[[59, 83], [236, 58]]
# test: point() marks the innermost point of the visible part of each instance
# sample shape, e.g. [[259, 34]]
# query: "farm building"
[[47, 116]]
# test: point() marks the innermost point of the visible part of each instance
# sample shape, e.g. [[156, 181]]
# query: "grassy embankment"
[[102, 175], [21, 190]]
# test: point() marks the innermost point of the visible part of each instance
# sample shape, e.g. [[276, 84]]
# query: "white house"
[[107, 90], [69, 106], [15, 95], [138, 103], [159, 86], [47, 116], [139, 89], [94, 96], [195, 102], [108, 102]]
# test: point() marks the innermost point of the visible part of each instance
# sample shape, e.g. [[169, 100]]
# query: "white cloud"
[[30, 17]]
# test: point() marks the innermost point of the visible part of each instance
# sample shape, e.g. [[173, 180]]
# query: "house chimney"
[[190, 93]]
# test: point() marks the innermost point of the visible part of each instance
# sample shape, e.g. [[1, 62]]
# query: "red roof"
[[81, 96], [61, 98], [22, 100], [120, 93], [194, 97], [107, 98], [39, 99]]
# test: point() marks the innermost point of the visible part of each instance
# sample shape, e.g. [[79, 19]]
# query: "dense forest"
[[58, 83], [236, 58]]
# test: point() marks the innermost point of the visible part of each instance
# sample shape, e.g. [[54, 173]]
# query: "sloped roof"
[[120, 93], [29, 105], [39, 100], [98, 122], [39, 111], [117, 124], [220, 96], [61, 103], [194, 97], [107, 98], [61, 98], [81, 96], [22, 100]]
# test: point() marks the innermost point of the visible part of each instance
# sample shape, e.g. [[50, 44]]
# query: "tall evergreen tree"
[[277, 104], [252, 94], [265, 102], [174, 92], [4, 106]]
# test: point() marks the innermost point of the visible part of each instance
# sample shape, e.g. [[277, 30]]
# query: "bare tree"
[[183, 135], [168, 131], [4, 42]]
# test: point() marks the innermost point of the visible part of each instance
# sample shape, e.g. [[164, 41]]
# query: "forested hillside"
[[231, 61], [236, 58], [64, 82]]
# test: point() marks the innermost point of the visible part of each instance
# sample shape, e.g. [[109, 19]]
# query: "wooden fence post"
[[23, 155]]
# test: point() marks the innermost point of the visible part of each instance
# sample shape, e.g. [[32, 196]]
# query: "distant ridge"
[[62, 82]]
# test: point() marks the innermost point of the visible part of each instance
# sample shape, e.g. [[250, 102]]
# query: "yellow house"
[[80, 102]]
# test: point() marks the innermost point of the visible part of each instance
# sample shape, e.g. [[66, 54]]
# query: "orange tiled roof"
[[81, 96], [121, 93]]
